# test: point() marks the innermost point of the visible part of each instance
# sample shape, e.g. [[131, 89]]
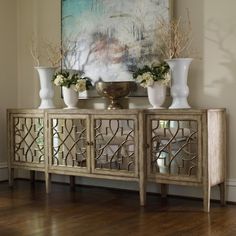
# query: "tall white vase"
[[46, 92], [70, 97], [179, 88], [156, 95]]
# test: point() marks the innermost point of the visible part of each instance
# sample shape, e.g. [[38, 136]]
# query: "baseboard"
[[231, 190], [231, 182], [3, 171], [3, 165]]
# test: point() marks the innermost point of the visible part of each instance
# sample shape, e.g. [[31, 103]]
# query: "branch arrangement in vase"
[[174, 38], [52, 54], [174, 41], [48, 54]]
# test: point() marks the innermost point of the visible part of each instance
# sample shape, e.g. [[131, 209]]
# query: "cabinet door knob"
[[89, 143]]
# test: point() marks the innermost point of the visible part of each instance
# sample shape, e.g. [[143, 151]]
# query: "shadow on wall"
[[212, 77], [221, 37], [219, 89]]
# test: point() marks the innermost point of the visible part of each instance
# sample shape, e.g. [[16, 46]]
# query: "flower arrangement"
[[147, 75], [77, 80]]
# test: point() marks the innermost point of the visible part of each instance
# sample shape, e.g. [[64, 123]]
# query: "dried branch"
[[53, 53], [174, 37], [50, 51], [34, 51], [68, 53]]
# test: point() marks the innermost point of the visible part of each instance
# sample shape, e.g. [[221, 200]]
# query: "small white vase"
[[156, 95], [46, 92], [70, 97], [179, 88]]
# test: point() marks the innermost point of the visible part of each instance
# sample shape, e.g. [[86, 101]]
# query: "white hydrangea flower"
[[147, 76], [80, 86], [59, 80], [148, 80]]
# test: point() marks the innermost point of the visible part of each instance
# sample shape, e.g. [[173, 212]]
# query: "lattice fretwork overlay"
[[174, 147], [28, 140], [68, 138], [114, 144]]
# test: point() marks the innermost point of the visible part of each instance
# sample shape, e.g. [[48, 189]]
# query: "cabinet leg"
[[32, 177], [48, 182], [142, 184], [142, 193], [72, 182], [164, 190], [11, 176], [206, 197], [222, 187]]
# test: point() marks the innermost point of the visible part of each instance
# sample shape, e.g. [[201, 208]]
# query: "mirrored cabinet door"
[[69, 140], [174, 147], [27, 136], [115, 145]]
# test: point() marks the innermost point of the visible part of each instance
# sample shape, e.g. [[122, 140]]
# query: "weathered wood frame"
[[211, 148]]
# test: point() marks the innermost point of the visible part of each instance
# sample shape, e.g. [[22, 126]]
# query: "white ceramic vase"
[[156, 95], [46, 92], [179, 76], [70, 97]]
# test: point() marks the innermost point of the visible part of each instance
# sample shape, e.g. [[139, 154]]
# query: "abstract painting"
[[110, 38]]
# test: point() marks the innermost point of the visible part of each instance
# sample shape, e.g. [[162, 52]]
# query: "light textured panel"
[[28, 140], [114, 144], [174, 147], [68, 142]]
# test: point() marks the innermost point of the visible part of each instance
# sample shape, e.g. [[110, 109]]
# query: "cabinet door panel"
[[114, 141], [68, 148], [174, 148], [27, 137]]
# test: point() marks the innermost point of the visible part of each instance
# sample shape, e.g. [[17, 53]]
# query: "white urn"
[[70, 97], [179, 68], [156, 95], [46, 92]]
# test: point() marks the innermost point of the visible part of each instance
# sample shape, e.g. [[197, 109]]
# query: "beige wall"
[[36, 19], [211, 79], [8, 66], [220, 66]]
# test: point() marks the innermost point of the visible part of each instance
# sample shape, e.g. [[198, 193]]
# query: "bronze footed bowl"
[[114, 91]]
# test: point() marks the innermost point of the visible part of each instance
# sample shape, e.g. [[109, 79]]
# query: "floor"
[[27, 210]]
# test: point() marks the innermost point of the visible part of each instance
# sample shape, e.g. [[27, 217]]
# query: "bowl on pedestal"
[[114, 92]]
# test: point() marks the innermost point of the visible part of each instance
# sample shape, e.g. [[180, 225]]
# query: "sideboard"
[[177, 146]]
